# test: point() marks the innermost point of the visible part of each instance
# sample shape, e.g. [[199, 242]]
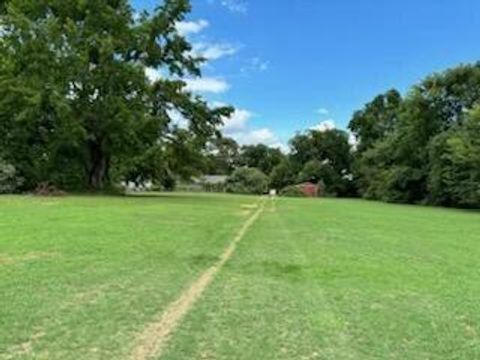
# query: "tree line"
[[320, 157], [422, 148], [78, 112]]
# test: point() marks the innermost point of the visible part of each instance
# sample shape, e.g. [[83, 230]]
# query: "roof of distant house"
[[214, 179]]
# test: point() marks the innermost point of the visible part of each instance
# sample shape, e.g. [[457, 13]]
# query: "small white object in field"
[[273, 193]]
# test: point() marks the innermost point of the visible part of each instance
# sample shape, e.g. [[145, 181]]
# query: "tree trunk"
[[98, 166]]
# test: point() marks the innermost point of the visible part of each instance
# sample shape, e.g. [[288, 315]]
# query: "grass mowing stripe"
[[153, 339]]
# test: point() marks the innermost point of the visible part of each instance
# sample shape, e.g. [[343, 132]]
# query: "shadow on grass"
[[187, 197], [203, 260], [464, 209], [275, 269]]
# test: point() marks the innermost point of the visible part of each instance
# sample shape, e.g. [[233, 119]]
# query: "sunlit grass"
[[81, 277]]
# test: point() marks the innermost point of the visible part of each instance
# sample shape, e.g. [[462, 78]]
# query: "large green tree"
[[76, 106], [407, 163], [454, 177]]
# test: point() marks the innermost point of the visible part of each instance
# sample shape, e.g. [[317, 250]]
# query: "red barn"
[[310, 189]]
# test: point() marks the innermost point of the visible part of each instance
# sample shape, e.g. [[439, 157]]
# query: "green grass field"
[[82, 277]]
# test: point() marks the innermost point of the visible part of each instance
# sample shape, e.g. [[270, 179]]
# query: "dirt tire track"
[[153, 339]]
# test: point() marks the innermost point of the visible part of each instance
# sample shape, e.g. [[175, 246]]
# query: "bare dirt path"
[[153, 339]]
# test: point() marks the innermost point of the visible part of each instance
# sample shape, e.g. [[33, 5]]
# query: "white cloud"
[[237, 121], [255, 64], [236, 127], [283, 147], [235, 6], [324, 126], [198, 85], [322, 111], [214, 51], [206, 85], [185, 28], [259, 136]]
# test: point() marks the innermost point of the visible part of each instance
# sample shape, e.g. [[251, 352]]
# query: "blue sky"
[[291, 65]]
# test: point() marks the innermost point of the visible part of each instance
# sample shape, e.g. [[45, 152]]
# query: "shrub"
[[9, 179], [292, 191], [247, 181]]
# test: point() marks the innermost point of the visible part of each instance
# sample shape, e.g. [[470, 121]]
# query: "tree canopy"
[[76, 106], [425, 150], [324, 156], [260, 156]]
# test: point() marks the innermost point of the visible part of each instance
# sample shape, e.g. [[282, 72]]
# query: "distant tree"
[[247, 181], [222, 156], [376, 119], [404, 163], [261, 157], [454, 177], [439, 103], [324, 156], [76, 106], [330, 145], [284, 174], [312, 171], [382, 178]]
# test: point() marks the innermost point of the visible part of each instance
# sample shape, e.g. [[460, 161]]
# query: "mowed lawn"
[[344, 279], [81, 277]]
